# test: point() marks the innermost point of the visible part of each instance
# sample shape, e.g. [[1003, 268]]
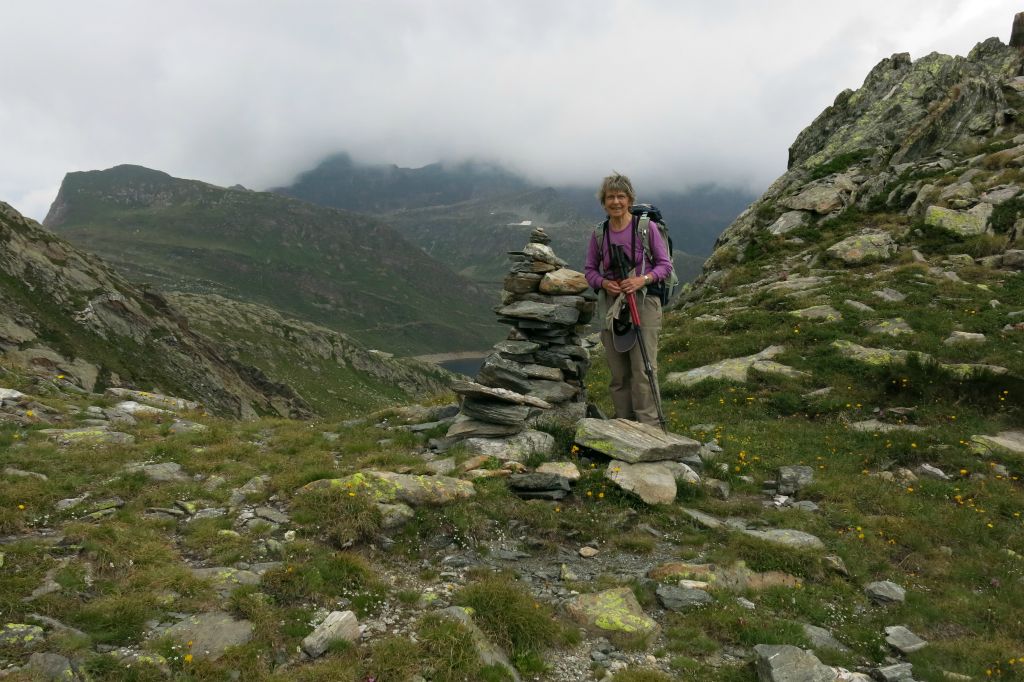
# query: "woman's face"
[[616, 203]]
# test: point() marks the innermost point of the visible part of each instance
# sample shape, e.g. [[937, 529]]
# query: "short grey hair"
[[616, 182]]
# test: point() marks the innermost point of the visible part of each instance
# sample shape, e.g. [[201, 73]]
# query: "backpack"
[[666, 288]]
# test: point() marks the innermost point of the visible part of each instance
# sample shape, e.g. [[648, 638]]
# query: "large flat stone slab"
[[1003, 443], [732, 369], [652, 482], [542, 312], [787, 537], [632, 442]]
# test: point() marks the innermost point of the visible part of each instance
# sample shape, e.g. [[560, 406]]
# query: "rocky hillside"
[[78, 324], [343, 271], [332, 372], [840, 499]]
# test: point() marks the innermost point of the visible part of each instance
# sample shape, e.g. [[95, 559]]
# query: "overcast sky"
[[672, 92]]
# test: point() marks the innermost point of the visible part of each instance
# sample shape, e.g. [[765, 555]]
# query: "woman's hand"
[[612, 287], [632, 284]]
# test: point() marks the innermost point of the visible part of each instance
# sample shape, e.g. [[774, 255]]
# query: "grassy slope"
[[329, 370]]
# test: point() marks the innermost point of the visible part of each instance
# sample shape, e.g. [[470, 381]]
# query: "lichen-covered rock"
[[388, 487], [867, 247], [961, 223], [821, 199], [51, 667], [872, 356], [224, 579], [892, 327], [88, 436], [21, 636], [818, 312], [134, 408], [611, 612]]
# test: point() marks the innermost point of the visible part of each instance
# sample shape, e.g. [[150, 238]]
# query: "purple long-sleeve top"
[[596, 272]]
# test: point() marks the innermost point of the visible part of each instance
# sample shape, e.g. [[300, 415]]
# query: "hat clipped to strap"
[[620, 325]]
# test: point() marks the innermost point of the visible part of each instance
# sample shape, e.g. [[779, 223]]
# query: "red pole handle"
[[634, 314]]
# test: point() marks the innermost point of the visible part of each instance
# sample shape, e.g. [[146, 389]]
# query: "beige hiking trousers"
[[630, 387]]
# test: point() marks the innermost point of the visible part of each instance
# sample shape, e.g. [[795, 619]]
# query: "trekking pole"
[[634, 314]]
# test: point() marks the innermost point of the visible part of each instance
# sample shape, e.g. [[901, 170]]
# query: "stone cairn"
[[536, 376]]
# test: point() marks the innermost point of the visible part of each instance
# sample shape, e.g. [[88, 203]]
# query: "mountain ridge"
[[334, 268]]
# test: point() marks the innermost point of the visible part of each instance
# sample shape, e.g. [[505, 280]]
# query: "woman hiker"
[[630, 388]]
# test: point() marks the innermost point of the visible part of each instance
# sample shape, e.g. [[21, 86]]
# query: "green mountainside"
[[343, 271], [849, 365]]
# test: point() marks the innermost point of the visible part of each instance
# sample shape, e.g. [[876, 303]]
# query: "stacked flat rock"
[[542, 364]]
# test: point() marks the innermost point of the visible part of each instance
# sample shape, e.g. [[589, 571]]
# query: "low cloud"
[[673, 93]]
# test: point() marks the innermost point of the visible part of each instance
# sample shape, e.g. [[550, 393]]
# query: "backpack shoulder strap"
[[644, 225], [599, 239]]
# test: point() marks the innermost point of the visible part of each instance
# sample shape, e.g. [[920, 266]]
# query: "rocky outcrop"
[[883, 146], [71, 319]]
